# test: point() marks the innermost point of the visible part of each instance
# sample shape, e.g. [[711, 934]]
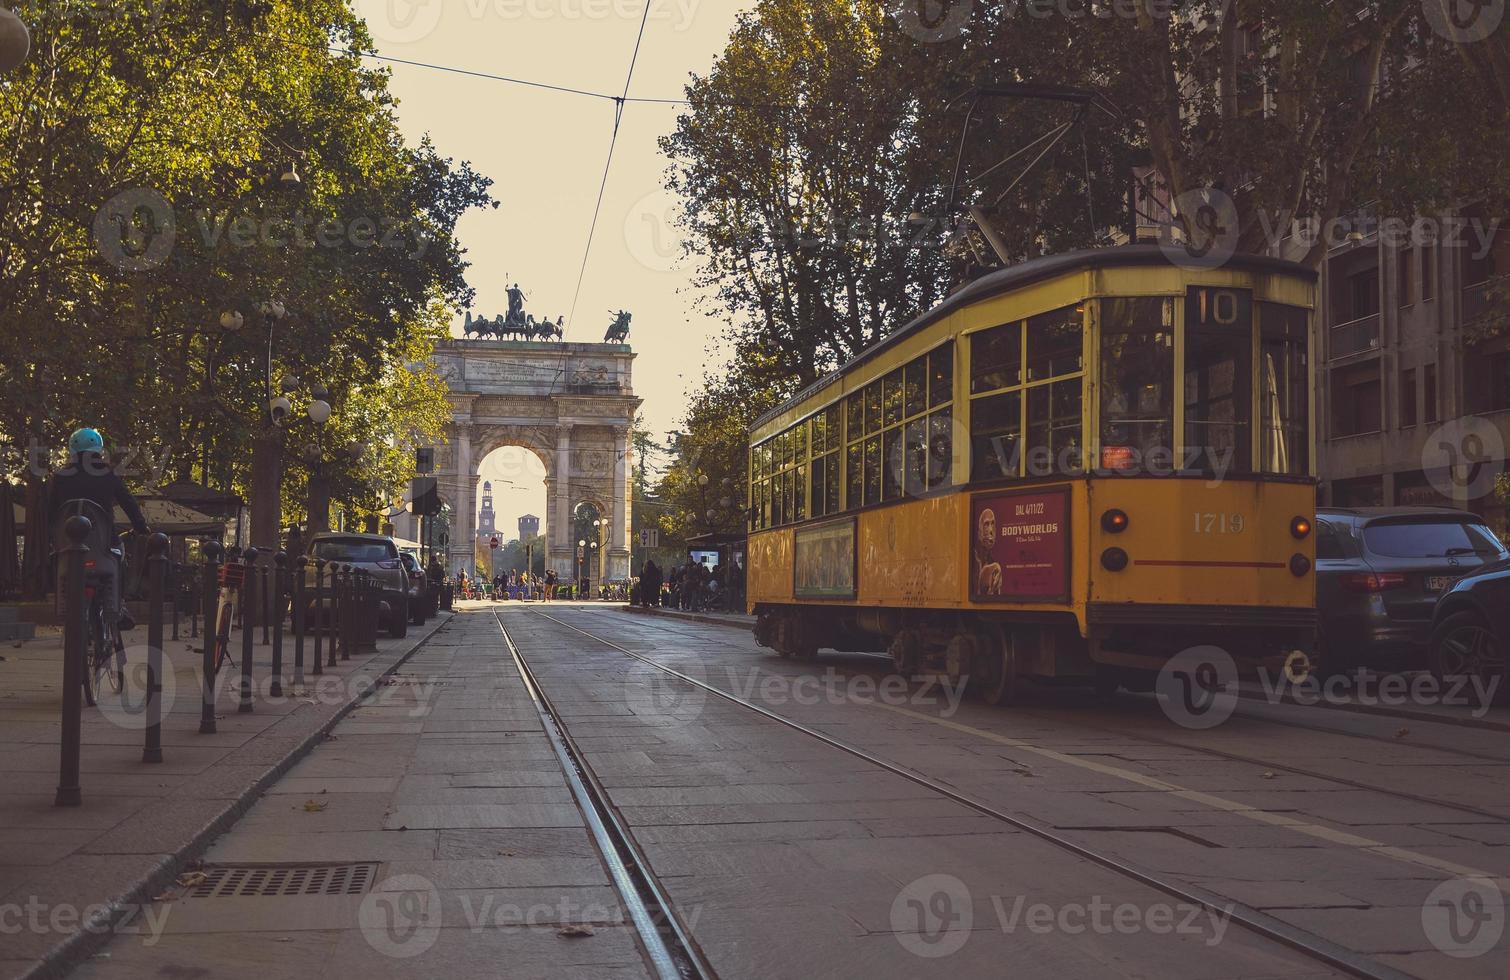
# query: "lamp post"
[[317, 512], [15, 41], [581, 553], [602, 545]]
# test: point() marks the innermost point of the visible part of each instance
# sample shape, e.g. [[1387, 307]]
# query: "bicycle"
[[104, 650], [232, 578]]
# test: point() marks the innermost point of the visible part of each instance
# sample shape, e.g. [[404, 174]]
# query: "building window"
[[1355, 399], [1429, 392], [1362, 294], [1407, 398], [1406, 265]]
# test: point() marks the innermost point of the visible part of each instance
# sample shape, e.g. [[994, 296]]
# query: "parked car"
[[419, 590], [378, 556], [1471, 630], [1379, 574]]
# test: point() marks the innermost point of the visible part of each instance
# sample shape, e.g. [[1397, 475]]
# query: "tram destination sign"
[[1020, 546]]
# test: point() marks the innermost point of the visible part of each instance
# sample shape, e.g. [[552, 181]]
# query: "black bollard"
[[175, 571], [348, 609], [280, 575], [265, 608], [297, 617], [157, 577], [69, 793], [248, 631], [321, 616], [212, 552]]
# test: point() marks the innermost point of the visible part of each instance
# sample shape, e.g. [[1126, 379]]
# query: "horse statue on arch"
[[619, 331]]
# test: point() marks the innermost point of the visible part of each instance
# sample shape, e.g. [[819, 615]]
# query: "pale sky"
[[545, 152]]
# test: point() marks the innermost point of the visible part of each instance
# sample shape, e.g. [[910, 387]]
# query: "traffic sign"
[[650, 537]]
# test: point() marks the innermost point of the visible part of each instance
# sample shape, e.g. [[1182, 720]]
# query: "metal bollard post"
[[336, 612], [175, 570], [157, 576], [265, 607], [367, 616], [297, 617], [280, 576], [248, 631], [233, 554], [348, 610], [212, 552], [69, 793], [320, 616]]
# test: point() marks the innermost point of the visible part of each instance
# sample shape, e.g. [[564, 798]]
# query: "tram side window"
[[996, 436], [996, 359], [1218, 379], [1137, 381], [1284, 390], [1056, 344], [1054, 443]]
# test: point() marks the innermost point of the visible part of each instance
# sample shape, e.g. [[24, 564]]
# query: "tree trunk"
[[267, 490], [318, 519]]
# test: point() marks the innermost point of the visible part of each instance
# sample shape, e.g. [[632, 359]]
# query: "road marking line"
[[1303, 827]]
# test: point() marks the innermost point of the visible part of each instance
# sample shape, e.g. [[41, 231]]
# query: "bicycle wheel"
[[93, 644], [223, 636]]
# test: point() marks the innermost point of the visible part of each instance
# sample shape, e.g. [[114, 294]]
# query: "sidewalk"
[[736, 620], [64, 871], [447, 817]]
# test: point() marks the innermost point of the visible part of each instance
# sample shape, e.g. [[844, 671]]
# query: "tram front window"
[[1137, 383], [1219, 380], [1284, 393]]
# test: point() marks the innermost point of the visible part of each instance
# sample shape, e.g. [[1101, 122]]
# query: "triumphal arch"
[[572, 405]]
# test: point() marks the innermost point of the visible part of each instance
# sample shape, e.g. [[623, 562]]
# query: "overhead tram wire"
[[618, 119]]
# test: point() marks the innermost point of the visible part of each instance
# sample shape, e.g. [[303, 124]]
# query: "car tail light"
[[1369, 582], [389, 564]]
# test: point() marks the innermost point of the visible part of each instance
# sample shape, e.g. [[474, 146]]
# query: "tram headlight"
[[1114, 521], [1300, 528], [1114, 559], [1300, 566]]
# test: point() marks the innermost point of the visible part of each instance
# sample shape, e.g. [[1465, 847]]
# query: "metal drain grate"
[[284, 880]]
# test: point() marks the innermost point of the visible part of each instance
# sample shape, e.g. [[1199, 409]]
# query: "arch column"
[[620, 547], [464, 514], [563, 553]]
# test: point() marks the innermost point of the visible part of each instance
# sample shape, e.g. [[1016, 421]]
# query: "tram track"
[[667, 941], [1310, 945]]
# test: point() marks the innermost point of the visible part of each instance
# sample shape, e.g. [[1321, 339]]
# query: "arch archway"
[[571, 405]]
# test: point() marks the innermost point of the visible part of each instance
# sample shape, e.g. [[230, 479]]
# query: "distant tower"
[[529, 527], [486, 521]]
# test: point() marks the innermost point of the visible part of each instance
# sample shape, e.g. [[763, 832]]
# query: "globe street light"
[[581, 554], [15, 41]]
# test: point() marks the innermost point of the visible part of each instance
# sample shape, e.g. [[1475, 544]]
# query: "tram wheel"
[[996, 669], [906, 653]]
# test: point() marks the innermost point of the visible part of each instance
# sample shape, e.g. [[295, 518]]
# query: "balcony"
[[1354, 337]]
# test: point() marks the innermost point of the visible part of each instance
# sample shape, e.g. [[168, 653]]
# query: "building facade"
[[1414, 403]]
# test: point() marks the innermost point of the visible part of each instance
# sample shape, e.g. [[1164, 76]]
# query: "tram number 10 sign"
[[1020, 546]]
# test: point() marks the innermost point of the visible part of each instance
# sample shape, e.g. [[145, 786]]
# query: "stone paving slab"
[[472, 828], [140, 824]]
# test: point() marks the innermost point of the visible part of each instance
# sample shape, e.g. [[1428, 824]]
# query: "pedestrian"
[[550, 585], [650, 583]]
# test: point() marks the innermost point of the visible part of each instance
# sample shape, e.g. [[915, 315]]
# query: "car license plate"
[[1436, 583]]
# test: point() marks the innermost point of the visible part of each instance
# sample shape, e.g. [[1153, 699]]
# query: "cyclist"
[[88, 476]]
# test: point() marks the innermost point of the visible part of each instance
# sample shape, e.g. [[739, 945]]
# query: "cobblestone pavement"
[[1062, 837]]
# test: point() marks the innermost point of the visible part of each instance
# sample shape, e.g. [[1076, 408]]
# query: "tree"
[[142, 195]]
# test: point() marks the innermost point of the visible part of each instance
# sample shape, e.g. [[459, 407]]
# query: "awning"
[[174, 519]]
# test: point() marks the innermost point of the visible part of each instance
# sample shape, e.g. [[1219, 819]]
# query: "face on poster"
[[825, 560], [1019, 546]]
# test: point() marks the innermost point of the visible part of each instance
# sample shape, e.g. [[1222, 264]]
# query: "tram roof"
[[1017, 276]]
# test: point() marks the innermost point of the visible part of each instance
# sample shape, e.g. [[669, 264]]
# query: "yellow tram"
[[1074, 468]]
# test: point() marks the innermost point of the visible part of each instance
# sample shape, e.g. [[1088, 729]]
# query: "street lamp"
[[15, 40], [581, 553]]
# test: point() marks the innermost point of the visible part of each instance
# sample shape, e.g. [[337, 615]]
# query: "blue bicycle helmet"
[[85, 441]]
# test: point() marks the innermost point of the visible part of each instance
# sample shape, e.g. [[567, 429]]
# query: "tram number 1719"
[[1220, 523]]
